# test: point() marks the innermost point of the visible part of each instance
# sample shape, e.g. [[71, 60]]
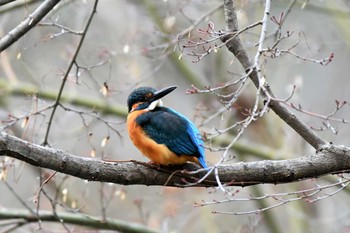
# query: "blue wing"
[[179, 134]]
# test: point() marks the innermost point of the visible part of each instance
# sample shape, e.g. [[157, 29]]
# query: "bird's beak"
[[161, 93]]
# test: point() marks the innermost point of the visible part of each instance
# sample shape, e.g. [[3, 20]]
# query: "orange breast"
[[157, 153]]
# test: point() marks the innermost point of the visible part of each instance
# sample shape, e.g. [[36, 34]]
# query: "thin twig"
[[19, 198], [64, 80]]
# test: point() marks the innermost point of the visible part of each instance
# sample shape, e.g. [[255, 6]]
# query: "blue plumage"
[[179, 134]]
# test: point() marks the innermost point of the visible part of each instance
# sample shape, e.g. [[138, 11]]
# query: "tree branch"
[[235, 46], [74, 218], [4, 2], [27, 24], [99, 105], [65, 77], [329, 159]]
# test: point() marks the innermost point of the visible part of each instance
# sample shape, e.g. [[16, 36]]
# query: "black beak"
[[161, 93]]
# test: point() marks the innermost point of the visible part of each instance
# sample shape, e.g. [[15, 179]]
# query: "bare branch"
[[27, 24], [329, 160], [77, 219], [309, 195], [50, 94], [235, 46], [4, 2], [72, 63]]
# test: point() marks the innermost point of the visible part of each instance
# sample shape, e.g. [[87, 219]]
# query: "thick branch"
[[27, 24], [328, 160], [235, 46], [4, 2]]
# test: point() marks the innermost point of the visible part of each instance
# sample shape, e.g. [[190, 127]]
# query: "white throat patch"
[[154, 104]]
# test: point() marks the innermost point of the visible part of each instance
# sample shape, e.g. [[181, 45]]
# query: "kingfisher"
[[163, 135]]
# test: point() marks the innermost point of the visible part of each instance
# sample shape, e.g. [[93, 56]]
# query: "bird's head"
[[147, 98]]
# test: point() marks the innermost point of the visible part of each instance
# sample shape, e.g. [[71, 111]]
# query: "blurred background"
[[139, 43]]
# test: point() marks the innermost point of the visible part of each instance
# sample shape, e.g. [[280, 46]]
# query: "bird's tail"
[[202, 163]]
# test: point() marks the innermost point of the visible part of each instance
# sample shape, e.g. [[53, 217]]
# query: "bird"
[[163, 135]]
